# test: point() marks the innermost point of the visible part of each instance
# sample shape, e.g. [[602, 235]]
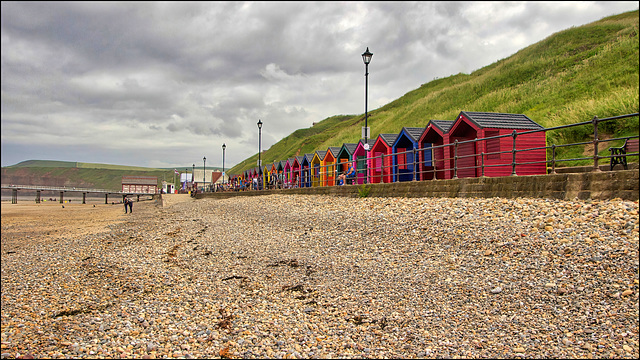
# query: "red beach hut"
[[380, 159], [359, 158], [437, 135], [497, 157]]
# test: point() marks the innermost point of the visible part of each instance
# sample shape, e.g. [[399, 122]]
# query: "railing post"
[[381, 179], [455, 159], [595, 144], [414, 164], [553, 158], [513, 152], [37, 196], [482, 162]]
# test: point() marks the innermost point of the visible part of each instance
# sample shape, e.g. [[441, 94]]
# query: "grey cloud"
[[190, 76]]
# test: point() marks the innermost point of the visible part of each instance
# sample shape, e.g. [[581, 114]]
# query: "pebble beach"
[[311, 276]]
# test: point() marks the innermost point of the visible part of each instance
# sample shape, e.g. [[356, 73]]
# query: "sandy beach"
[[305, 276]]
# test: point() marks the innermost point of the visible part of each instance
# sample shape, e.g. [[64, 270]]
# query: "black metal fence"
[[389, 170]]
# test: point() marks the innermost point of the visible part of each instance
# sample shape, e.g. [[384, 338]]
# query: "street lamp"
[[224, 147], [204, 173], [193, 173], [259, 148], [366, 57]]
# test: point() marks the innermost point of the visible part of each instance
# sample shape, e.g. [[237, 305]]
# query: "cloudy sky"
[[165, 84]]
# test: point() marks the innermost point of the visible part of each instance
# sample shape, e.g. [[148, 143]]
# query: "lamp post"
[[224, 147], [204, 173], [366, 57], [259, 149], [193, 173]]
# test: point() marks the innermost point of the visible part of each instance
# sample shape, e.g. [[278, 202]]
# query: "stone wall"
[[598, 185]]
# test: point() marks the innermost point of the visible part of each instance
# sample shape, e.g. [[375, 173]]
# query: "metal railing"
[[385, 168]]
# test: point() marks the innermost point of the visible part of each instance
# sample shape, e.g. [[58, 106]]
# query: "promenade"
[[311, 276]]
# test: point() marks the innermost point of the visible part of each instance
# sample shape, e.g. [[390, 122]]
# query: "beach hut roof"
[[334, 150], [443, 125], [501, 120], [321, 153], [389, 139], [414, 133]]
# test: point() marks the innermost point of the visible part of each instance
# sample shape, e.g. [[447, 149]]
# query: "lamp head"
[[259, 124], [224, 146], [366, 56]]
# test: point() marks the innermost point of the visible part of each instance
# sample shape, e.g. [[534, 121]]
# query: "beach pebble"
[[311, 276]]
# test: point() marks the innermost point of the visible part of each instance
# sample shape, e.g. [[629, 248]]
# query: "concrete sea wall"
[[595, 185]]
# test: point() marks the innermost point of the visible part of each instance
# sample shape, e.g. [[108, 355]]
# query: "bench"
[[619, 154]]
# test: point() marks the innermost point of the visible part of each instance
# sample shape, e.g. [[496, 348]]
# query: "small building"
[[344, 156], [380, 159], [288, 172], [433, 140], [359, 159], [404, 150], [168, 188], [140, 184], [329, 164], [306, 170], [495, 153], [316, 166], [296, 171]]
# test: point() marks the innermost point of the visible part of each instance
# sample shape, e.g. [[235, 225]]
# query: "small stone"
[[627, 292], [496, 290], [519, 350]]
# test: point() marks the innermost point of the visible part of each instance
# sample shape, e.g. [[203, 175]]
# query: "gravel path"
[[300, 276]]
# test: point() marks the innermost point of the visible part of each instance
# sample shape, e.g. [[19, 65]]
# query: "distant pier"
[[62, 190]]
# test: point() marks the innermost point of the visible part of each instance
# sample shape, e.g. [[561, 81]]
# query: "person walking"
[[130, 206], [126, 204]]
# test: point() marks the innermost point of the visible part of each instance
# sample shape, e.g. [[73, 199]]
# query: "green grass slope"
[[569, 77]]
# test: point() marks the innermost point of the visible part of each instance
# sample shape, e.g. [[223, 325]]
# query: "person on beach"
[[130, 206], [349, 174], [126, 204]]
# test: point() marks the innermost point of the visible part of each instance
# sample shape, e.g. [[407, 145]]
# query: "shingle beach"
[[306, 276]]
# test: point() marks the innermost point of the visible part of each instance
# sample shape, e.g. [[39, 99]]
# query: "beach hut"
[[296, 171], [288, 172], [306, 170], [344, 155], [437, 135], [360, 159], [329, 164], [496, 153], [280, 170], [316, 167], [404, 151], [380, 159]]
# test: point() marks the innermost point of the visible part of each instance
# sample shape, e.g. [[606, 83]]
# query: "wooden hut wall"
[[437, 135], [404, 159], [359, 159], [381, 162], [330, 166]]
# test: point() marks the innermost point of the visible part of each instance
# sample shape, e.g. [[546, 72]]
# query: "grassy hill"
[[569, 77], [88, 175]]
